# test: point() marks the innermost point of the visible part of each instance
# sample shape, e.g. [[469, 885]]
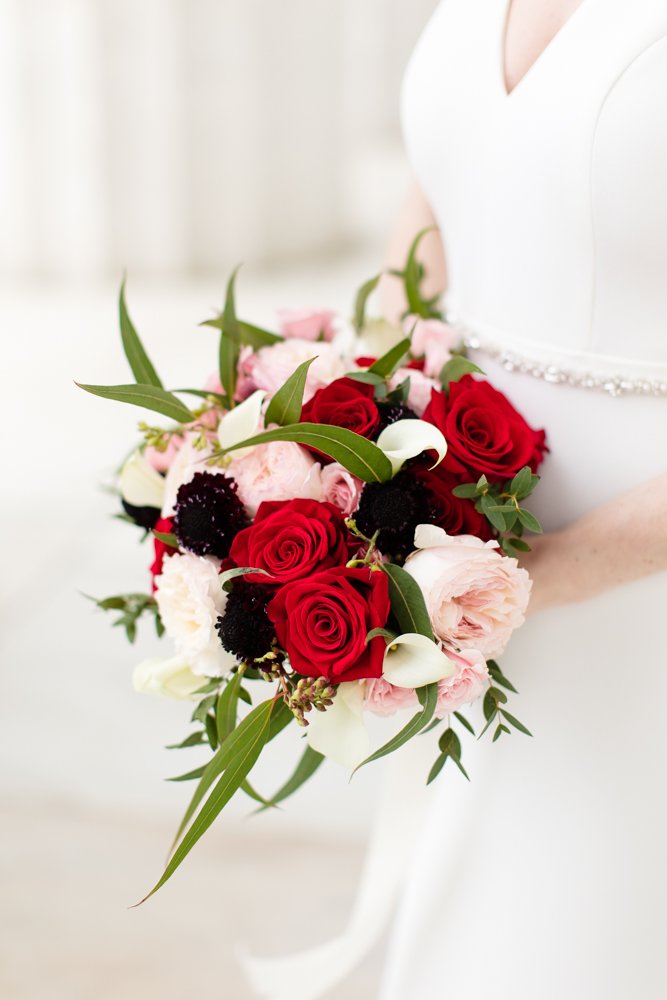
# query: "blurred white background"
[[170, 138]]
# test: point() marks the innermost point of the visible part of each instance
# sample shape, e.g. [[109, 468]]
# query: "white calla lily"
[[339, 732], [241, 422], [413, 660], [139, 484], [171, 677], [408, 438]]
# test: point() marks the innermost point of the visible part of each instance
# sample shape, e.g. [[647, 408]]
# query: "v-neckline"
[[542, 55]]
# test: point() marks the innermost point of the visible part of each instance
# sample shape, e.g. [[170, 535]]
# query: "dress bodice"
[[551, 200]]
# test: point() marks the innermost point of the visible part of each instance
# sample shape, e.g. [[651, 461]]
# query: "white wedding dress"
[[546, 877]]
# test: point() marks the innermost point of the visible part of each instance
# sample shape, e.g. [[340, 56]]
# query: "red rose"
[[346, 402], [484, 433], [322, 623], [165, 526], [455, 514], [291, 539]]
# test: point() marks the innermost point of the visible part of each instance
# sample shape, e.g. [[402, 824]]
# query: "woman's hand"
[[619, 541]]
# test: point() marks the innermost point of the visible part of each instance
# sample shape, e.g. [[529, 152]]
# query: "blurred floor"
[[69, 873]]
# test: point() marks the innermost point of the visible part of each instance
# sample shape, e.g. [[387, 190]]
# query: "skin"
[[619, 541]]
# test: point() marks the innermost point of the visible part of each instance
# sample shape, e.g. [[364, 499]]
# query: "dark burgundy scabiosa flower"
[[395, 509], [208, 514], [245, 629], [391, 412], [143, 517]]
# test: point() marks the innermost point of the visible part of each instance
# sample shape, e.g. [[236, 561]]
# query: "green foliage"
[[140, 363], [361, 301], [450, 749], [389, 362], [407, 601], [150, 397], [132, 607], [428, 699], [230, 342], [500, 505], [413, 275], [167, 538], [246, 333], [286, 404], [454, 369], [359, 456]]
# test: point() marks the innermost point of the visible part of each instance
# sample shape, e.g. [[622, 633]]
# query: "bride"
[[538, 136]]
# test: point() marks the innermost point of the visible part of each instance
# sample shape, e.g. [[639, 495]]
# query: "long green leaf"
[[308, 764], [140, 363], [280, 717], [407, 601], [361, 300], [150, 397], [428, 697], [412, 277], [389, 362], [247, 333], [456, 368], [359, 456], [285, 406], [230, 342], [249, 744], [227, 707]]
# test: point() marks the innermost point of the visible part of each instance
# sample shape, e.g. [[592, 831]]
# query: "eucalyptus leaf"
[[230, 342], [464, 722], [437, 768], [308, 764], [166, 538], [361, 301], [428, 698], [389, 362], [251, 737], [456, 368], [522, 483], [359, 456], [529, 521], [466, 490], [413, 276], [227, 707], [189, 775], [407, 601], [513, 721], [140, 363], [150, 397], [246, 333], [286, 404]]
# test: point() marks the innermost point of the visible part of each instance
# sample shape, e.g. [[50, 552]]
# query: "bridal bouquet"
[[334, 527]]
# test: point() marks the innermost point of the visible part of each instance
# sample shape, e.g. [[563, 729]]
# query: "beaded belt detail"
[[613, 385]]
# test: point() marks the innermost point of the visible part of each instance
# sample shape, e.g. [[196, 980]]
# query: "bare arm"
[[620, 541], [415, 214]]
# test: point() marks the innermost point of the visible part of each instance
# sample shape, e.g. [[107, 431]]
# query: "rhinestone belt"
[[613, 385]]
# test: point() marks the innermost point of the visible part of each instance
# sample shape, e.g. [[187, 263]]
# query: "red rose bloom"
[[165, 525], [484, 433], [290, 540], [322, 623], [344, 403], [455, 514]]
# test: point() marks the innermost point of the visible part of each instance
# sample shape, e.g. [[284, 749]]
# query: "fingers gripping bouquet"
[[335, 529]]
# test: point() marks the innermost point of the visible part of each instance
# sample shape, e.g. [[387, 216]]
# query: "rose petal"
[[241, 422], [413, 660], [340, 733], [408, 438], [139, 484]]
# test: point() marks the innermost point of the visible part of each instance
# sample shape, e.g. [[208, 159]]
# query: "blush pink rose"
[[475, 596], [421, 386], [307, 324], [271, 366], [434, 340], [468, 683], [161, 461], [341, 488], [280, 470], [383, 698]]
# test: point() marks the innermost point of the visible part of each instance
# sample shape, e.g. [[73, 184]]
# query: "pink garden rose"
[[434, 340], [307, 324], [421, 386], [280, 470], [475, 596], [271, 366], [466, 685], [383, 698], [341, 488]]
